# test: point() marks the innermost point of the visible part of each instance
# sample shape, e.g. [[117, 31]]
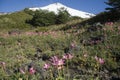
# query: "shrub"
[[63, 16], [43, 18]]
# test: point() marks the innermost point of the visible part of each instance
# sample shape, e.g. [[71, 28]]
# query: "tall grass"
[[95, 53]]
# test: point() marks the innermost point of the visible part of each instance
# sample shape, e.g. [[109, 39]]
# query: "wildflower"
[[101, 61], [67, 56], [70, 56], [55, 61], [32, 70], [73, 45], [109, 23], [60, 62], [46, 66], [3, 64]]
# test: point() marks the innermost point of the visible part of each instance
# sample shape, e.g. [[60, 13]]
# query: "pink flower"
[[67, 56], [109, 23], [60, 62], [101, 61], [70, 56], [54, 58], [3, 64], [56, 62], [73, 45], [46, 66], [32, 70]]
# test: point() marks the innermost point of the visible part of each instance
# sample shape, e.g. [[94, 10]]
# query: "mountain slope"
[[56, 6], [15, 20]]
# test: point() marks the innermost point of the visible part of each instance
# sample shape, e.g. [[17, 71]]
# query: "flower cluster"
[[46, 66], [2, 63], [109, 23], [52, 33], [99, 60], [67, 56], [31, 71], [57, 62]]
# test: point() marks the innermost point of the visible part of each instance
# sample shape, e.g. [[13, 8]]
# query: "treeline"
[[103, 17], [29, 19], [46, 18], [112, 13]]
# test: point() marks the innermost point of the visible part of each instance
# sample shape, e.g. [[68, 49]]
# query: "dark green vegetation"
[[114, 5], [112, 13], [95, 47], [28, 19]]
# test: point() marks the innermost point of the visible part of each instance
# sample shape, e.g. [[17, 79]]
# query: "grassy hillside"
[[15, 20], [27, 19], [68, 51]]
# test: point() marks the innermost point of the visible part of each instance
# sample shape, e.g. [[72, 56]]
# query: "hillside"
[[80, 51], [27, 19], [54, 43], [14, 20]]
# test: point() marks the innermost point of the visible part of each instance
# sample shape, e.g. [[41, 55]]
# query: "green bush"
[[43, 18], [63, 16], [46, 18]]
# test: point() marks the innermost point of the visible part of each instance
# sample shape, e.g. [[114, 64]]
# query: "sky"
[[91, 6]]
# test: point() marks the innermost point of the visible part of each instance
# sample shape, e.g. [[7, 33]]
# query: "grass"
[[15, 20], [35, 47]]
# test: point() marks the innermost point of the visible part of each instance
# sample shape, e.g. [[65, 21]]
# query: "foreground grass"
[[95, 53]]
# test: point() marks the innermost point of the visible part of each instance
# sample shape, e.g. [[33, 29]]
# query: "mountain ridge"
[[56, 6]]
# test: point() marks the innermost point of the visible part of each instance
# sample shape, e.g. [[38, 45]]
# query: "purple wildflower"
[[46, 66]]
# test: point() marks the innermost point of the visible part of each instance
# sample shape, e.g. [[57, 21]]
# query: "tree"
[[115, 5], [46, 18], [28, 11], [114, 10], [43, 18], [63, 16]]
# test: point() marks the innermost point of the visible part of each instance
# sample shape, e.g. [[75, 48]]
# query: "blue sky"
[[92, 6]]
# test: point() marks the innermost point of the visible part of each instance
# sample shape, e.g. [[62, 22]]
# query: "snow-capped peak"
[[56, 6]]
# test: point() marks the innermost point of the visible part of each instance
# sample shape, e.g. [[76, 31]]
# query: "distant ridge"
[[73, 12]]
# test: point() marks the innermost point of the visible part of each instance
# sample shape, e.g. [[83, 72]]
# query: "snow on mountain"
[[56, 6]]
